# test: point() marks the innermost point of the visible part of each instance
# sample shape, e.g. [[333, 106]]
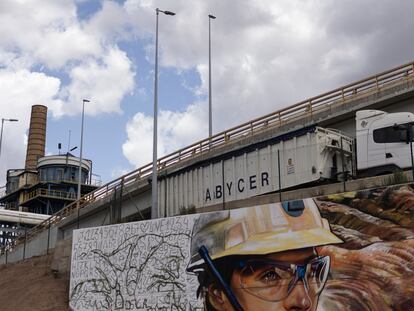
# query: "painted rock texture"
[[374, 268]]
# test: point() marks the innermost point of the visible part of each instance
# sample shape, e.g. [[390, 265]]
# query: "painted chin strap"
[[213, 270]]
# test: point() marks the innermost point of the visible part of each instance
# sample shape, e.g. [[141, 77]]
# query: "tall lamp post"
[[210, 106], [154, 206], [80, 158], [1, 133]]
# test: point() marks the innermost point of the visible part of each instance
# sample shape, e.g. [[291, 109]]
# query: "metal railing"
[[93, 182], [49, 193], [11, 206], [307, 108]]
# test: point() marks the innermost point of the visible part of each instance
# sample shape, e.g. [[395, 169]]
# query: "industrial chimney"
[[37, 136]]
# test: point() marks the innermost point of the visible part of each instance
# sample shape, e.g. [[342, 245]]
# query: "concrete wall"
[[36, 246], [131, 201], [133, 204], [154, 265], [100, 218]]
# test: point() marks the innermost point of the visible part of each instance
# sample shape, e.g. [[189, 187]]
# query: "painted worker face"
[[290, 280]]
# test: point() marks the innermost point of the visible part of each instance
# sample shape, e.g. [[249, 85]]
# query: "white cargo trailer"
[[306, 156]]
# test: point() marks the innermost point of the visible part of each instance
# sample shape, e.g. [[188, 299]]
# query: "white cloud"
[[49, 35], [30, 27], [49, 56], [269, 54], [175, 130], [19, 90], [118, 172], [110, 24], [57, 47], [103, 82]]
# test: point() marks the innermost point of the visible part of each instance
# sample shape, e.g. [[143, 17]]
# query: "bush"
[[398, 177], [191, 209]]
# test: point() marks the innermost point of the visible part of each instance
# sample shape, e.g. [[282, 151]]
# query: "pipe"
[[22, 217]]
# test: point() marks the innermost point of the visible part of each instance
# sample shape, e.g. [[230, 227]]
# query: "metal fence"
[[49, 193]]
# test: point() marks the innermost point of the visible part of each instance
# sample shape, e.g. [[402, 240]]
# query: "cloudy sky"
[[266, 54]]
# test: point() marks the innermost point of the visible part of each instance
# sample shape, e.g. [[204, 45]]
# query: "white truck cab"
[[383, 141]]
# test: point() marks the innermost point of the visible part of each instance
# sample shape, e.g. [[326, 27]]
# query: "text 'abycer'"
[[240, 186]]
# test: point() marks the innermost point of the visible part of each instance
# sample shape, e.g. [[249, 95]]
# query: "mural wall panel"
[[351, 251]]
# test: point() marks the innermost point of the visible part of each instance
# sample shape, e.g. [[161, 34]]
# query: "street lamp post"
[[210, 107], [154, 186], [80, 159], [1, 132]]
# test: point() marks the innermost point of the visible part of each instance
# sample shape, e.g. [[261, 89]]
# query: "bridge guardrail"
[[308, 107]]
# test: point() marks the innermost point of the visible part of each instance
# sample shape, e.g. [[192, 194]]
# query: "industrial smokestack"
[[37, 136]]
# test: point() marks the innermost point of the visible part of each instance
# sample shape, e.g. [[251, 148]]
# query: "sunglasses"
[[274, 280]]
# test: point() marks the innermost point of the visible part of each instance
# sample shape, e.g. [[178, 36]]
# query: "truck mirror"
[[403, 132], [404, 136]]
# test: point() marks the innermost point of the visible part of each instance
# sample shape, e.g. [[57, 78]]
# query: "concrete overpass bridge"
[[188, 178]]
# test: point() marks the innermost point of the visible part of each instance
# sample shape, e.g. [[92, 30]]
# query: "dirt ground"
[[30, 285]]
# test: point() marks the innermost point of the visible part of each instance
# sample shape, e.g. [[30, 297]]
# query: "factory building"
[[47, 183]]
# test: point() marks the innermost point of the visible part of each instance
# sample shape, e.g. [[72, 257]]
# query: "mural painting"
[[350, 251]]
